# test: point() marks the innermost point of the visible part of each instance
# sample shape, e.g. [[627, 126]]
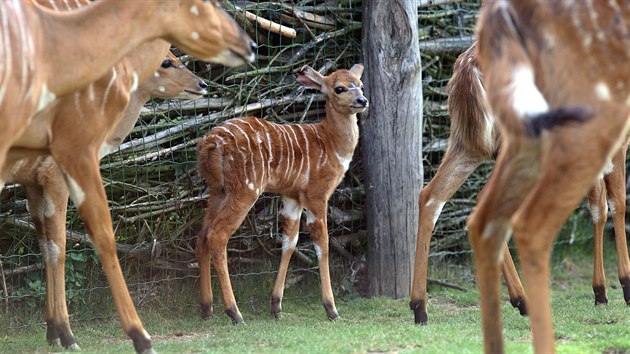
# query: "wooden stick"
[[271, 26]]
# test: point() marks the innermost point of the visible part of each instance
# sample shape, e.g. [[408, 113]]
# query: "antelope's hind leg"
[[318, 228], [228, 216], [291, 212], [616, 187], [453, 171]]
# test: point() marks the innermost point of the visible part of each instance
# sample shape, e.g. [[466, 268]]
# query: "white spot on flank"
[[288, 243], [194, 10], [527, 100], [156, 74], [195, 36], [250, 186], [161, 88], [76, 193], [45, 98], [602, 91], [291, 209], [134, 82]]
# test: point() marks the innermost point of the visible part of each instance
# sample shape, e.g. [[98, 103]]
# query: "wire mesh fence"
[[157, 198]]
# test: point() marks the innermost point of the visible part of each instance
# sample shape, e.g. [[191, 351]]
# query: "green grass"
[[367, 325]]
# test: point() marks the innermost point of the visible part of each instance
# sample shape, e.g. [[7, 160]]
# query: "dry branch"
[[271, 26]]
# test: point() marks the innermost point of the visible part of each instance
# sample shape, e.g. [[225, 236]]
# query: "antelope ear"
[[357, 70], [310, 78]]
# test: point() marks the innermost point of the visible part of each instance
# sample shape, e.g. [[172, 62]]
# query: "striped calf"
[[243, 158]]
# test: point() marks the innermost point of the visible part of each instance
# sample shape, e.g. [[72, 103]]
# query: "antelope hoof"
[[206, 311], [54, 342], [520, 304], [234, 315], [600, 295], [331, 312], [419, 309], [74, 348], [51, 334], [141, 341], [67, 340], [276, 307], [625, 285]]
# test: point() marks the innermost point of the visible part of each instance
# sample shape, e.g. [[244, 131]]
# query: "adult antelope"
[[475, 137], [48, 193], [243, 158], [559, 131], [63, 129], [46, 54]]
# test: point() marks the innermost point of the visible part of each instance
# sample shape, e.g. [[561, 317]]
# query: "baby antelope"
[[304, 163]]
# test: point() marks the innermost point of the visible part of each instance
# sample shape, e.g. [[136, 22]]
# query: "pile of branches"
[[156, 196]]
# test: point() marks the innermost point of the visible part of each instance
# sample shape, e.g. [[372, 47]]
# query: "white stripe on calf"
[[308, 157], [249, 148], [297, 143]]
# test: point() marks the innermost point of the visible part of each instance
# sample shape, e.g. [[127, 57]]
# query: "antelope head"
[[343, 88], [174, 80], [210, 34]]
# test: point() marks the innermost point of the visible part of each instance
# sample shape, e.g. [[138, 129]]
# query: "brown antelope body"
[[475, 138], [48, 193], [68, 126], [47, 54], [242, 158], [557, 79]]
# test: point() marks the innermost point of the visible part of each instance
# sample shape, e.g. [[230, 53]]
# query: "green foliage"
[[367, 325], [77, 262]]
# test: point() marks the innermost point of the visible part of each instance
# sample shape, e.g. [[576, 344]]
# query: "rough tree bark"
[[392, 142]]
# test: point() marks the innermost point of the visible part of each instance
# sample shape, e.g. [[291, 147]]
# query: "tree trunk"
[[392, 142]]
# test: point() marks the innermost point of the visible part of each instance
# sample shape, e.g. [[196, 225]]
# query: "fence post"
[[392, 142]]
